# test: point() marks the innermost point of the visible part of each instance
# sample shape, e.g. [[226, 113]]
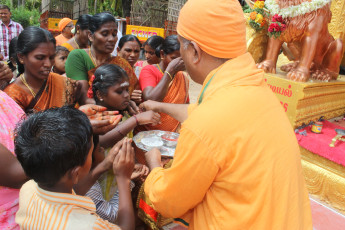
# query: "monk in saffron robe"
[[237, 162]]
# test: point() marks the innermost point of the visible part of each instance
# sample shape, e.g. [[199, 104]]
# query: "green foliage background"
[[112, 6], [27, 15]]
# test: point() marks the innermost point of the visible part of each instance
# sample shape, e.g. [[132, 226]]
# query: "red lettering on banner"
[[285, 105], [280, 90]]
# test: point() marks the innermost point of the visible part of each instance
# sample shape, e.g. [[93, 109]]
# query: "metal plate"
[[148, 140]]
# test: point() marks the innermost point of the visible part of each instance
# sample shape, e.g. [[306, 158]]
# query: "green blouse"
[[78, 64]]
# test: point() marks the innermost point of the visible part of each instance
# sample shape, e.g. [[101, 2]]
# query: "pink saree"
[[10, 115]]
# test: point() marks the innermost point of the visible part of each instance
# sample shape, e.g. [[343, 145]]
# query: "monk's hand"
[[102, 121], [153, 158], [136, 96], [149, 105], [175, 66], [148, 117], [5, 72]]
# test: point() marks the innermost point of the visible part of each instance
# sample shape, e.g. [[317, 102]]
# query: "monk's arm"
[[177, 111], [176, 190]]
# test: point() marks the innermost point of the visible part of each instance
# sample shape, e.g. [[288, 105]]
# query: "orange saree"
[[59, 91], [177, 94]]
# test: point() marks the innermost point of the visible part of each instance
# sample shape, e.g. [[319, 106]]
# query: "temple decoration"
[[313, 49]]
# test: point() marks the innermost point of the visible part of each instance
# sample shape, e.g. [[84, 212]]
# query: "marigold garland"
[[258, 17]]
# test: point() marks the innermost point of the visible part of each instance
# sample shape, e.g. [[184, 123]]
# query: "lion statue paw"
[[299, 74], [268, 66], [324, 75], [288, 67]]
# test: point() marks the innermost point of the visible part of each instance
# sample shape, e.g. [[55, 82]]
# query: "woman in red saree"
[[37, 88]]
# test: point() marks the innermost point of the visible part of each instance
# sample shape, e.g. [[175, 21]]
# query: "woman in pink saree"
[[11, 173]]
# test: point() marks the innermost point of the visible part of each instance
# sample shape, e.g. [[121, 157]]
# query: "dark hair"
[[83, 22], [2, 7], [98, 20], [128, 38], [105, 77], [29, 39], [50, 143], [155, 43], [61, 49], [12, 52], [170, 44]]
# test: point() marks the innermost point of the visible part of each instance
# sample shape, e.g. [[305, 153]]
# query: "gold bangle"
[[169, 75]]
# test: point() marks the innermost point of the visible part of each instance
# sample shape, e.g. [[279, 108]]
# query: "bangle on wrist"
[[136, 119], [169, 75]]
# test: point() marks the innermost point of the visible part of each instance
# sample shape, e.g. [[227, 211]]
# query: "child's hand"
[[148, 117], [109, 159], [123, 164], [140, 172], [132, 108]]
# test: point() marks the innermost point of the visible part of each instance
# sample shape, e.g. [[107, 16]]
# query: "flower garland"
[[277, 26], [258, 18], [293, 11]]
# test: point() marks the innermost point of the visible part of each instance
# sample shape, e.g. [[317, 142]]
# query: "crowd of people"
[[68, 111]]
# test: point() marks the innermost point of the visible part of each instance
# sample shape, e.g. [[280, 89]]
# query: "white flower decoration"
[[293, 11]]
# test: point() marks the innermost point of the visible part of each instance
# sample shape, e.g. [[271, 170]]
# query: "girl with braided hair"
[[109, 88]]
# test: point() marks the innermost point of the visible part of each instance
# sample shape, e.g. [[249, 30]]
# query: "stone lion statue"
[[315, 52]]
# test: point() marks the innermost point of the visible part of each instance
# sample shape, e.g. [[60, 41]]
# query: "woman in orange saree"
[[37, 88]]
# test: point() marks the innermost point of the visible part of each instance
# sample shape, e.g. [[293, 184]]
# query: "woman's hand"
[[136, 96], [175, 66], [123, 164], [148, 117], [102, 121]]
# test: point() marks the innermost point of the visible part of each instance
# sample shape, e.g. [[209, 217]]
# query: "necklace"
[[22, 78], [159, 68], [76, 42], [92, 58]]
